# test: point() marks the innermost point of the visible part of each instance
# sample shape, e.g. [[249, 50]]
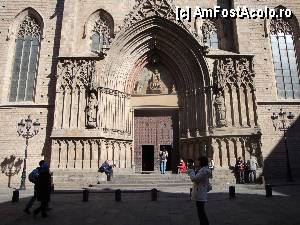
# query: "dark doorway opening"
[[147, 157], [168, 148]]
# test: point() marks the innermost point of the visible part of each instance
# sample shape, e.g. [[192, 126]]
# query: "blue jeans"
[[163, 166]]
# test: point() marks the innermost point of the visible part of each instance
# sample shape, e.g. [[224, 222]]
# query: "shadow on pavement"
[[250, 207]]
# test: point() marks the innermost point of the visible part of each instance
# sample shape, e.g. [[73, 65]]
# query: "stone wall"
[[64, 35]]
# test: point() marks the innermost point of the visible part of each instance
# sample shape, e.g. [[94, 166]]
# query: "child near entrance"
[[163, 155]]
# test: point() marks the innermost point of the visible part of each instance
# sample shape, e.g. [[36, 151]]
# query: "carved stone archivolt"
[[29, 27], [149, 8]]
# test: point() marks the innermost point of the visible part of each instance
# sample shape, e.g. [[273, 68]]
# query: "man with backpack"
[[43, 190], [107, 168], [33, 178]]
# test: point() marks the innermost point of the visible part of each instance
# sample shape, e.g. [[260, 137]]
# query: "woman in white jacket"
[[200, 179]]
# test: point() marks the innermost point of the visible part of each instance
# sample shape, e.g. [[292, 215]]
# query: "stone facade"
[[101, 63]]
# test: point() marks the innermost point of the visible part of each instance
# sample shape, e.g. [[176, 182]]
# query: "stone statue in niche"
[[155, 86], [173, 89], [137, 88], [220, 110], [91, 111]]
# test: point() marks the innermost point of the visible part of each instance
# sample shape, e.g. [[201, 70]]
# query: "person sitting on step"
[[181, 167]]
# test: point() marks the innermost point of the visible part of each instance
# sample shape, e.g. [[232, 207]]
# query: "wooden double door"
[[153, 131]]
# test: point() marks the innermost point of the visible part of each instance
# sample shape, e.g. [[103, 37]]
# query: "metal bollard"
[[85, 195], [231, 192], [154, 194], [15, 197], [268, 188], [118, 196]]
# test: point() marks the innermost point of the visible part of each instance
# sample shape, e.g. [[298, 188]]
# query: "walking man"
[[33, 177], [43, 190]]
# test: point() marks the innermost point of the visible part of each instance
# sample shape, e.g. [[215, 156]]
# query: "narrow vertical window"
[[25, 61], [101, 36], [210, 34], [285, 59]]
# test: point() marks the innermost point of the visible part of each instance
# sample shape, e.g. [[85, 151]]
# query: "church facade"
[[121, 80]]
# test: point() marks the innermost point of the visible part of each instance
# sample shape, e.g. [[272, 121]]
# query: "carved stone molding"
[[76, 72], [29, 27], [234, 71], [148, 8], [280, 26], [208, 27]]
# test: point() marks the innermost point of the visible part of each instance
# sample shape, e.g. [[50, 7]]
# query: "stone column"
[[58, 109], [74, 108], [81, 108], [223, 144], [64, 154], [55, 154], [231, 152], [86, 155], [71, 154], [95, 155], [122, 155], [243, 97], [235, 107], [79, 152], [228, 106], [216, 152]]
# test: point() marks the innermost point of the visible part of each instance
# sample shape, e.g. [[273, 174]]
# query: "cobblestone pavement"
[[172, 208]]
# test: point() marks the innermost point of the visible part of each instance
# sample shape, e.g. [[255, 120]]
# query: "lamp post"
[[27, 130], [282, 121]]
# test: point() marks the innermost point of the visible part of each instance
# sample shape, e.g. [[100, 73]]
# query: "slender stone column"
[[71, 154], [228, 106], [58, 109], [64, 154], [216, 152], [235, 108], [224, 153], [95, 155], [55, 154], [81, 108]]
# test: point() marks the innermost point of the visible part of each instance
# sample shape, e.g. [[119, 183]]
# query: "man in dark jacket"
[[43, 190], [32, 200], [107, 169]]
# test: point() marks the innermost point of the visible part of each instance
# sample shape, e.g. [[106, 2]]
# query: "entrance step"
[[79, 179]]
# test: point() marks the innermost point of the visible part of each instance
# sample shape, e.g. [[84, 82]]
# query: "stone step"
[[85, 178]]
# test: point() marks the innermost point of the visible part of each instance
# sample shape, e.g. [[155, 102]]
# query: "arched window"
[[285, 59], [101, 36], [210, 34], [27, 45]]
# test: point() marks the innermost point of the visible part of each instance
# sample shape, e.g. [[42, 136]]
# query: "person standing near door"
[[163, 155]]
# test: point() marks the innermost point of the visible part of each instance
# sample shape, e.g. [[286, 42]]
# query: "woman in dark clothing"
[[43, 188]]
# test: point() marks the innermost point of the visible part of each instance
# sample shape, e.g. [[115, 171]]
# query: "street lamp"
[[282, 121], [27, 130]]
